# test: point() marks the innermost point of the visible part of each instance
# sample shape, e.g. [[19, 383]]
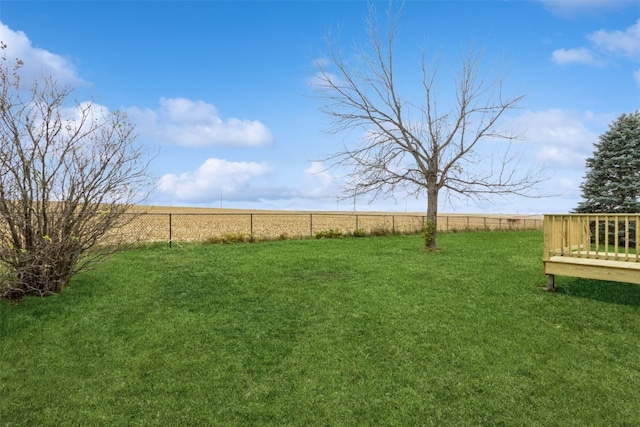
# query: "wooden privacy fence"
[[198, 227], [592, 246]]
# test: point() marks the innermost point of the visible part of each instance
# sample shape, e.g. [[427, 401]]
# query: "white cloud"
[[563, 139], [244, 182], [561, 156], [604, 44], [636, 76], [319, 182], [86, 113], [321, 63], [319, 170], [322, 78], [76, 120], [191, 123], [570, 56], [624, 43], [37, 62], [214, 178]]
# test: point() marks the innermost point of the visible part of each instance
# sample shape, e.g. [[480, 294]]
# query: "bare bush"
[[69, 171]]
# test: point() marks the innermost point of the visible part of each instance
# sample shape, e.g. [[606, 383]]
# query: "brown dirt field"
[[162, 223]]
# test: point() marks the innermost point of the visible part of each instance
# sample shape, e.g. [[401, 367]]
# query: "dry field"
[[186, 224]]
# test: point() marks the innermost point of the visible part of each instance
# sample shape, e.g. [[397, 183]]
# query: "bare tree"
[[418, 147], [69, 171]]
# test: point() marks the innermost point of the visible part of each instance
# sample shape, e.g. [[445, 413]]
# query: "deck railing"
[[614, 237]]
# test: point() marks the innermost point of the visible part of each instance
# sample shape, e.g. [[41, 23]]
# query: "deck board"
[[589, 268]]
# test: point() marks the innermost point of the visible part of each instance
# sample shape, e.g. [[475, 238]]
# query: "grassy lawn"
[[336, 332]]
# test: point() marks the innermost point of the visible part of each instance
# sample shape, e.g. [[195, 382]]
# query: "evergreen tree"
[[612, 182]]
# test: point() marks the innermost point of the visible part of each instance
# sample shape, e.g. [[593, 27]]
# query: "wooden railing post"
[[547, 225]]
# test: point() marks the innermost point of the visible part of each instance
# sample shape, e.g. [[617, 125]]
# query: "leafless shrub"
[[69, 171]]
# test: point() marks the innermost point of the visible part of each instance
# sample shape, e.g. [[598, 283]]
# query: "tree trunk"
[[431, 239]]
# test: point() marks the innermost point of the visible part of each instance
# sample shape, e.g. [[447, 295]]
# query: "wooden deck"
[[602, 247]]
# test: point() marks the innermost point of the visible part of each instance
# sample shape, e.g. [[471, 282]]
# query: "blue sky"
[[220, 90]]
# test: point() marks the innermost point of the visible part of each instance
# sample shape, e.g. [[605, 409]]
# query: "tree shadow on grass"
[[600, 290]]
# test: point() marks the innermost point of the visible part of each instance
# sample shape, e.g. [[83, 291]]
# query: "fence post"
[[251, 224], [393, 224], [170, 231], [310, 225], [356, 223]]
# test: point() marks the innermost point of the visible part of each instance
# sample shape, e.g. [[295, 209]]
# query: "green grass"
[[337, 332]]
